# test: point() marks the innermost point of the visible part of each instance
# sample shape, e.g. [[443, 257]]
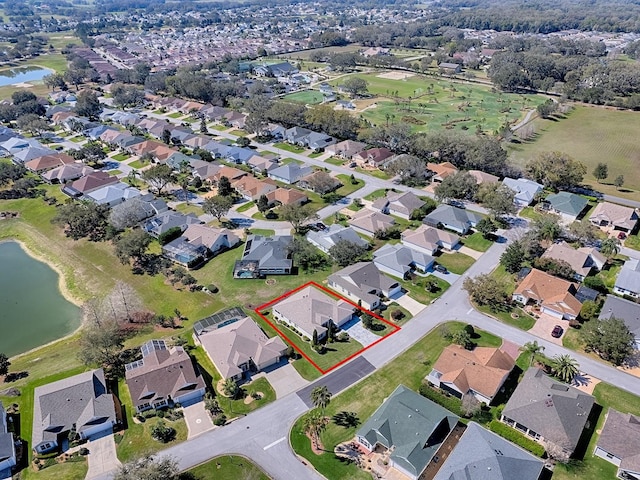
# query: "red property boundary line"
[[259, 310]]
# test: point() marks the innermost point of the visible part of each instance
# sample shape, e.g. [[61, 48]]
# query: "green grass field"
[[307, 97], [305, 54], [591, 135], [429, 103], [228, 467], [457, 263]]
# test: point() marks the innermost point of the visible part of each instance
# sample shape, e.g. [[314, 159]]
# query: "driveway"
[[448, 277], [102, 455], [405, 301], [545, 324], [284, 379], [356, 330], [197, 418]]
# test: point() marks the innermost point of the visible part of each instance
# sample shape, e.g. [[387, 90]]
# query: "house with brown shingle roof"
[[582, 260], [619, 443], [286, 196], [401, 204], [230, 172], [252, 188], [368, 222], [483, 177], [89, 183], [554, 295], [163, 377], [48, 162], [429, 240], [480, 372], [374, 157], [617, 217], [441, 170]]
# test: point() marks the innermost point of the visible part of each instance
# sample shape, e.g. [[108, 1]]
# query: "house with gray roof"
[[548, 411], [568, 205], [164, 221], [364, 284], [453, 218], [163, 377], [623, 309], [399, 260], [411, 428], [7, 446], [619, 443], [582, 260], [296, 135], [482, 455], [81, 402], [429, 240], [525, 190], [290, 173], [319, 141], [327, 238], [112, 195], [29, 153], [628, 281], [265, 256], [401, 204]]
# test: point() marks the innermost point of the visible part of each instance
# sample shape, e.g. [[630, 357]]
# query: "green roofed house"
[[411, 430], [568, 205]]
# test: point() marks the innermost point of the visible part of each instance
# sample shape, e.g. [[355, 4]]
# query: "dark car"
[[557, 331], [320, 226], [440, 268], [622, 235]]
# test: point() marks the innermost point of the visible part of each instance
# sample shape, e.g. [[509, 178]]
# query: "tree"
[[462, 338], [565, 367], [546, 227], [619, 181], [610, 248], [355, 86], [162, 433], [158, 176], [54, 80], [308, 258], [218, 206], [230, 388], [243, 141], [128, 214], [88, 105], [470, 405], [584, 232], [126, 96], [611, 339], [82, 219], [601, 171], [314, 424], [513, 257], [166, 136], [91, 153], [589, 310], [4, 364], [321, 182], [486, 227], [497, 198], [532, 349], [100, 345], [32, 123], [410, 169], [314, 337], [556, 170], [460, 185], [224, 187], [486, 290], [262, 204], [555, 267], [346, 253], [321, 397], [297, 215], [149, 468], [132, 245]]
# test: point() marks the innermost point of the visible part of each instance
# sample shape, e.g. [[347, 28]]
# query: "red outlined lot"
[[261, 308]]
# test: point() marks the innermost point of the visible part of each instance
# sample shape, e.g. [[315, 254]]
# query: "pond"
[[33, 312], [22, 74]]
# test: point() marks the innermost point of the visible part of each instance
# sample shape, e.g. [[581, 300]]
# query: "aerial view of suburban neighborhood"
[[304, 240]]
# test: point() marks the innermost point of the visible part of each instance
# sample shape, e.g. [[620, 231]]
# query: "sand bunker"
[[396, 75]]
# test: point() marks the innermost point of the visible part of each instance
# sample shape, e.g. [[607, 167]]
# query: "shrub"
[[169, 235], [149, 413], [516, 437], [162, 433], [469, 329], [220, 420], [449, 402], [212, 288], [160, 414]]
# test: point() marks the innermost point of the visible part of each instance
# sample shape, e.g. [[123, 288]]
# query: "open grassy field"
[[306, 97], [429, 103], [591, 135], [228, 467], [305, 54]]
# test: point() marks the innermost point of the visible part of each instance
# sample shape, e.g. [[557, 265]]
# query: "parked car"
[[622, 235], [441, 269], [557, 331], [321, 226]]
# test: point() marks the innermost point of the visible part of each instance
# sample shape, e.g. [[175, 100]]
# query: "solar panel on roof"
[[219, 319]]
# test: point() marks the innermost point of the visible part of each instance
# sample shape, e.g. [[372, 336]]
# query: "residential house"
[[553, 295], [483, 177], [364, 284], [283, 69], [80, 403], [345, 105], [14, 144], [411, 429], [238, 155], [179, 161], [49, 162], [480, 372], [429, 240], [27, 154], [214, 112], [7, 446], [374, 157], [196, 141], [368, 222], [232, 174], [615, 217], [619, 443], [163, 377], [625, 310], [265, 256], [441, 170], [238, 346], [568, 205], [628, 281], [582, 260], [483, 455], [310, 309], [327, 238], [548, 411], [277, 132], [89, 183], [375, 51], [199, 243], [94, 133], [401, 204], [234, 119], [286, 196], [325, 185], [297, 135], [66, 173], [143, 206], [400, 261], [346, 149], [525, 190], [453, 218], [165, 221], [125, 141], [252, 188], [260, 164], [450, 68], [290, 173], [112, 195], [319, 141]]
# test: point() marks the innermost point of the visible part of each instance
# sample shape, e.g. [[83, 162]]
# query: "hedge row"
[[511, 434], [449, 402]]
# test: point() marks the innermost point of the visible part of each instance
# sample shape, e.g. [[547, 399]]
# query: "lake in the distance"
[[32, 309], [22, 74]]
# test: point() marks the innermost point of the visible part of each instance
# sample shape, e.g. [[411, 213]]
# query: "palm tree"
[[610, 248], [321, 396], [314, 424], [565, 367], [533, 349], [230, 388]]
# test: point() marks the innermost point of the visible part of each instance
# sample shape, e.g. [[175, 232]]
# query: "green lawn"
[[228, 467], [335, 161], [238, 133], [457, 262], [121, 157], [523, 320], [175, 115], [591, 134], [530, 213], [244, 207], [347, 187], [315, 154], [288, 160], [477, 242], [61, 471], [220, 128], [138, 164], [633, 241], [263, 231], [288, 147], [261, 386], [417, 291], [409, 369], [311, 97], [374, 173], [187, 208], [114, 173], [376, 194]]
